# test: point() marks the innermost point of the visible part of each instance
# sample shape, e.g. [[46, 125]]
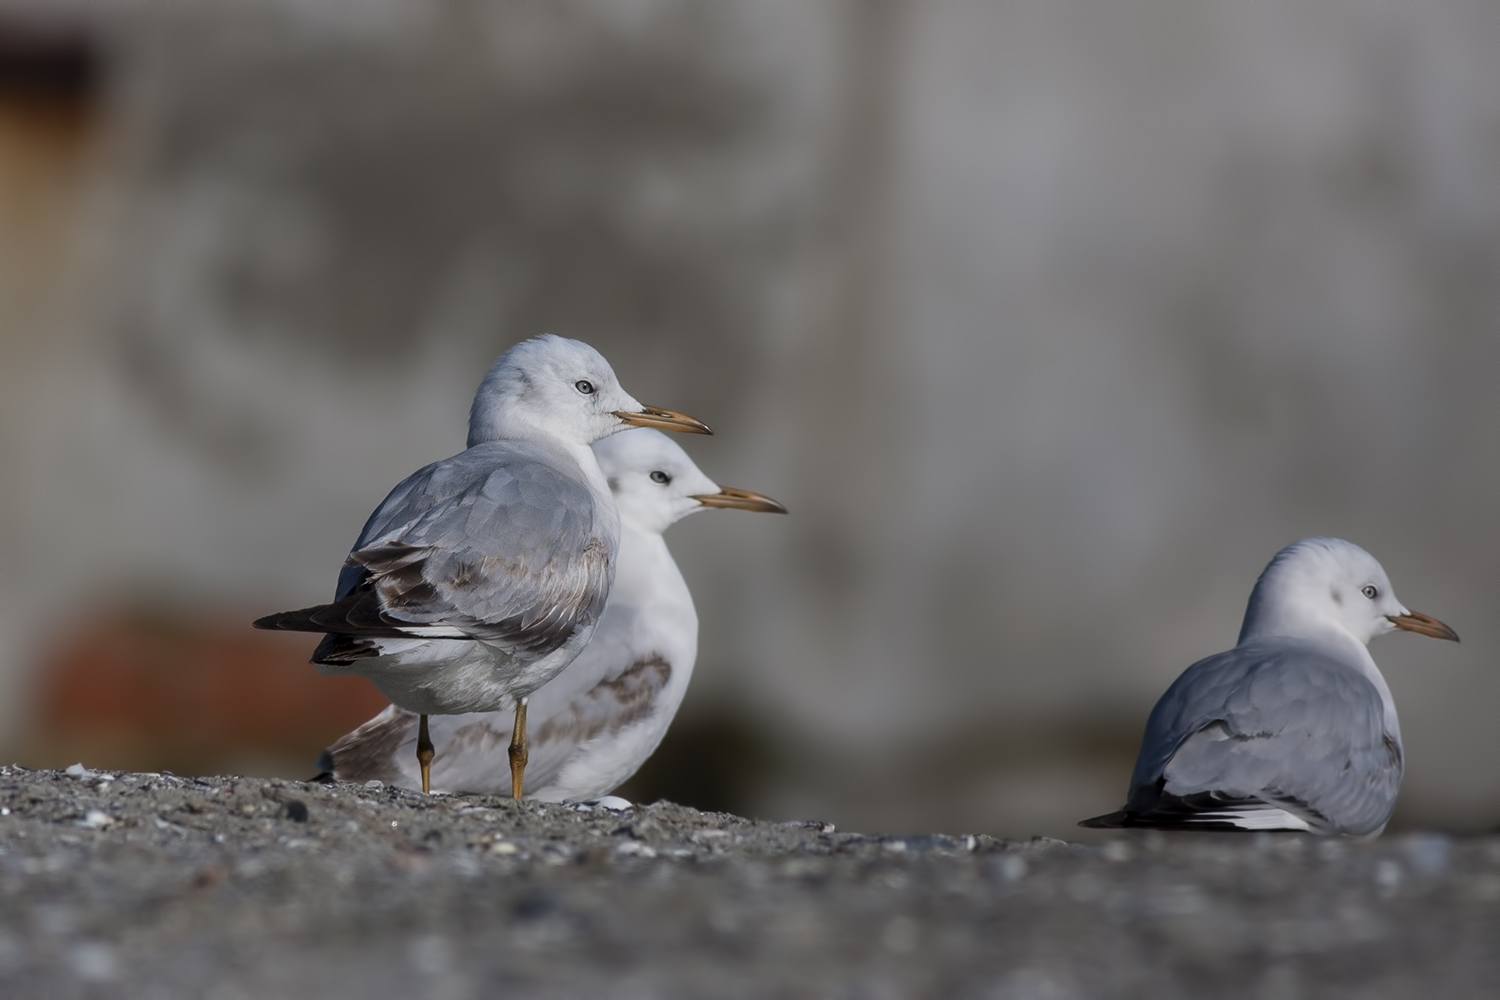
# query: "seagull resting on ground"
[[1294, 728]]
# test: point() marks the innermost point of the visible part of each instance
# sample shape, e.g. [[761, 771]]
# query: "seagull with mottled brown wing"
[[597, 722], [480, 577]]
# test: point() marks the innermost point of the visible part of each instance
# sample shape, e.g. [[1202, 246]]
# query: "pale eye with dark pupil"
[[1369, 592], [584, 386], [660, 477]]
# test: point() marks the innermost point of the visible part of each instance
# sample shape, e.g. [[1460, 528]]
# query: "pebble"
[[1387, 876], [614, 803], [634, 849], [96, 820], [93, 962], [1429, 852]]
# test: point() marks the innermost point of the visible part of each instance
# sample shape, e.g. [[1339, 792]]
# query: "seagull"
[[1294, 728], [481, 576], [594, 724]]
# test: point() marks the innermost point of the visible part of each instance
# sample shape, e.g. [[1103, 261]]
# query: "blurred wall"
[[1051, 322]]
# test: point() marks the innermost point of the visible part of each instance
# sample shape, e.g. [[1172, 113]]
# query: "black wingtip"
[[1109, 821], [293, 621]]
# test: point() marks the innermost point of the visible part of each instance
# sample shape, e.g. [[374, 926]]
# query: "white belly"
[[451, 676]]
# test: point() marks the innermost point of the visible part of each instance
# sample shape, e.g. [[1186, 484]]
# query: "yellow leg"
[[424, 755], [517, 750]]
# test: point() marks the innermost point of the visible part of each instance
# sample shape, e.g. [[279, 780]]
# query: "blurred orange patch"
[[153, 692]]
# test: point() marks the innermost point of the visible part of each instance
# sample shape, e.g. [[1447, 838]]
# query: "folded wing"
[[1273, 734], [491, 544]]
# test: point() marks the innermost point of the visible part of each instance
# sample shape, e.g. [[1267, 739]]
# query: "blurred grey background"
[[1050, 321]]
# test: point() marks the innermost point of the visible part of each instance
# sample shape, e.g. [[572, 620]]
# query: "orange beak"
[[728, 496], [1415, 621], [667, 420]]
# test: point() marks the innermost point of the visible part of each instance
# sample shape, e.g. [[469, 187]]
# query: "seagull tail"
[[303, 620], [1159, 810], [337, 648]]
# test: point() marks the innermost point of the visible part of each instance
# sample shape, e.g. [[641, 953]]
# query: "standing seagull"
[[481, 576], [593, 725], [1294, 728]]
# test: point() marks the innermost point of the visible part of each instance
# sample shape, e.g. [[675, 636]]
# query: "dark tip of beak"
[[1415, 621], [666, 420], [728, 496]]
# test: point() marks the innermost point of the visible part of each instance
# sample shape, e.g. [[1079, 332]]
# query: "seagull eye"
[[1369, 591], [660, 477], [584, 386]]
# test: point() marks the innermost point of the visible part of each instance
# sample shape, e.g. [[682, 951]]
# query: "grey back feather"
[[503, 542], [1279, 720]]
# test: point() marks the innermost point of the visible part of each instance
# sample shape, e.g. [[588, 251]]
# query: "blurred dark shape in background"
[[48, 60], [198, 694], [47, 63], [717, 761], [51, 80], [721, 760], [1051, 322]]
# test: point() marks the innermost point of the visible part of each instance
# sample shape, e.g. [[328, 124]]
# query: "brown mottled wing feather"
[[371, 750], [558, 723], [608, 706], [496, 543]]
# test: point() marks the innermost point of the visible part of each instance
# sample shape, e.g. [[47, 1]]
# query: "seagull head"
[[561, 388], [1318, 585], [655, 484]]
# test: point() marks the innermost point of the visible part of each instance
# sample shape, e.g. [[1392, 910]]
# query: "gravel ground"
[[151, 885]]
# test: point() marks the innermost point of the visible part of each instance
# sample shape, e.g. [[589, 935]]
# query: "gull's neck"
[[500, 418], [651, 601], [1339, 642], [643, 564], [494, 423], [588, 464]]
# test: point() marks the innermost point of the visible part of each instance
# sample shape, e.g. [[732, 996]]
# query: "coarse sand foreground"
[[150, 885]]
